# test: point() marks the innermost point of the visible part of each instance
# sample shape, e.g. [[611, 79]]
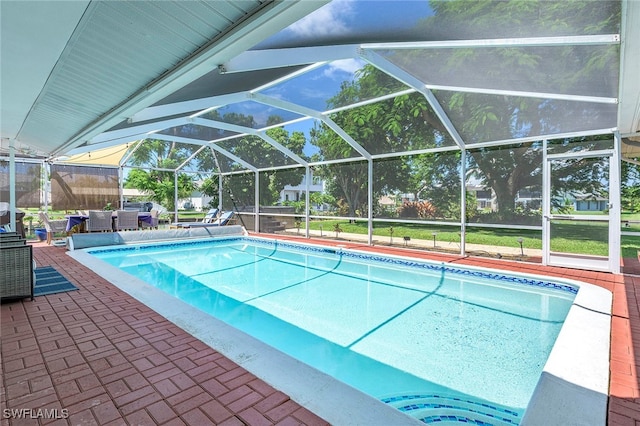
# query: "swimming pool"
[[437, 342]]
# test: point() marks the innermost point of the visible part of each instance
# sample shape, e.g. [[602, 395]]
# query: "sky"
[[342, 18], [346, 20], [341, 21]]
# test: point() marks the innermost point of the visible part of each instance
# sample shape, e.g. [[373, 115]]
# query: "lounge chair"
[[52, 226], [99, 221], [209, 218], [126, 220], [226, 218]]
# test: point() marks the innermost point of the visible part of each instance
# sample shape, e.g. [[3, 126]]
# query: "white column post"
[[614, 205], [12, 185], [307, 203], [256, 219], [175, 196], [463, 201], [546, 205], [370, 201]]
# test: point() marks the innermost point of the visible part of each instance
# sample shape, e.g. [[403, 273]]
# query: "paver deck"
[[98, 356]]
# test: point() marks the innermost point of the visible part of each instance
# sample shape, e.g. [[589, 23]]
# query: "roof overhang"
[[48, 109], [71, 70]]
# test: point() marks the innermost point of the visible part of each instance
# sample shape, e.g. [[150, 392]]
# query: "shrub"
[[420, 209]]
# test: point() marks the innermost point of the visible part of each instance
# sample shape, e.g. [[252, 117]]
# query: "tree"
[[481, 117], [630, 187], [394, 125], [210, 187], [257, 152], [507, 170], [160, 156], [436, 177]]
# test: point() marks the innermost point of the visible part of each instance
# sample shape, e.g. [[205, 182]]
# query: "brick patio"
[[110, 360]]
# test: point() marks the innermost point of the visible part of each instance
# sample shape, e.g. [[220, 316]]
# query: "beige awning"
[[107, 156]]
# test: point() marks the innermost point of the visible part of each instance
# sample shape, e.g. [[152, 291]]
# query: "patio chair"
[[16, 272], [99, 221], [226, 218], [154, 220], [126, 220], [211, 216], [13, 243], [208, 219], [9, 236], [52, 226]]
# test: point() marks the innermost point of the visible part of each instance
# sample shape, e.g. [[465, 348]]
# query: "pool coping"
[[573, 386]]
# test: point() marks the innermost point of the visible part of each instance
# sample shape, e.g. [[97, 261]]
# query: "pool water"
[[438, 342]]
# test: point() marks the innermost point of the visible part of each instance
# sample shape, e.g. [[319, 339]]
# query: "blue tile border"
[[163, 244], [452, 405], [410, 397], [355, 255], [457, 419], [423, 265]]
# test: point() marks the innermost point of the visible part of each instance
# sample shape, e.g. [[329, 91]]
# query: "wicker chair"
[[154, 220], [99, 221], [16, 270], [6, 237], [52, 226], [126, 220]]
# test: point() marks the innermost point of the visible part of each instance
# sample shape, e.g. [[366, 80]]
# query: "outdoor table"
[[79, 219]]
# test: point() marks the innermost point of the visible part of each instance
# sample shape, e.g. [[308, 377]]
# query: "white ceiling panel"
[[73, 69], [32, 38]]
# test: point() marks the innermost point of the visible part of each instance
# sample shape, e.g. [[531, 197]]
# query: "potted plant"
[[40, 231], [337, 229]]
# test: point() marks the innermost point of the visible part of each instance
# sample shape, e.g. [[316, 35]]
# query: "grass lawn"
[[569, 237]]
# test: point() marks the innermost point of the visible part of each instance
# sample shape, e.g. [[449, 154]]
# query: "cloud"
[[329, 19], [348, 66]]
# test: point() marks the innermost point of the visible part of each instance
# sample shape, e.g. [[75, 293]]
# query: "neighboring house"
[[297, 192], [197, 201], [485, 197], [581, 202], [590, 203], [129, 194], [529, 198], [387, 201]]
